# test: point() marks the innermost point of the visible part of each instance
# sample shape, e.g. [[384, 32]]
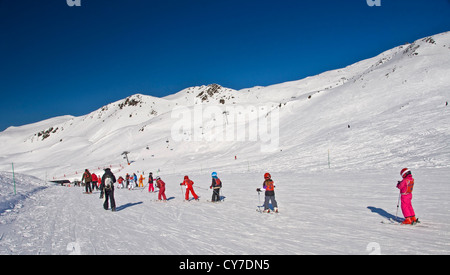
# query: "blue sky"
[[57, 60]]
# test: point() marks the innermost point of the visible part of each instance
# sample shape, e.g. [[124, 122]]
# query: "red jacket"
[[160, 184], [187, 182], [269, 186]]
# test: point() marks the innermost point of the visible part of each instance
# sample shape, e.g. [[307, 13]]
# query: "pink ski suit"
[[406, 188]]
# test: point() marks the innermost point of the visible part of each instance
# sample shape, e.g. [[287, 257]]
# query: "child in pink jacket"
[[406, 187]]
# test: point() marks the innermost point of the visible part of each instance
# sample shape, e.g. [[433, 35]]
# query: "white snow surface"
[[372, 119]]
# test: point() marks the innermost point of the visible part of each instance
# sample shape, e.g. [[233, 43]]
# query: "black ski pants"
[[109, 197], [88, 187], [216, 194]]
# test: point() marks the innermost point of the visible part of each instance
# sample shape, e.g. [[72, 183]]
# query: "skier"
[[141, 180], [108, 181], [269, 187], [135, 178], [188, 183], [406, 187], [215, 185], [132, 183], [150, 183], [99, 181], [120, 182], [87, 177], [162, 189], [127, 179], [94, 181]]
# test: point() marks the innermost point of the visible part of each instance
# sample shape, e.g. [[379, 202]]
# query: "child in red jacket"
[[188, 183], [162, 189]]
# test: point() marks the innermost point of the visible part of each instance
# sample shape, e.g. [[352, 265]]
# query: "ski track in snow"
[[328, 212]]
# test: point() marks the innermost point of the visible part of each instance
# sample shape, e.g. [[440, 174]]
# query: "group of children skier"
[[131, 181], [106, 184]]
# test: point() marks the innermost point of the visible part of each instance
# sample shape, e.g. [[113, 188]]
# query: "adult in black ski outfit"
[[108, 189]]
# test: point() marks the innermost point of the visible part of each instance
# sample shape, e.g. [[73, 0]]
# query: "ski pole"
[[144, 187], [259, 200], [398, 204]]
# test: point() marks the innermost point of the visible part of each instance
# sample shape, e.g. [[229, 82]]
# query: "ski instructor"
[[107, 187]]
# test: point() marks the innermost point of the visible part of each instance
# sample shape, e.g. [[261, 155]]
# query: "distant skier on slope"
[[189, 188], [108, 181], [215, 185], [406, 187], [132, 182], [162, 189], [150, 183], [87, 177], [120, 182], [141, 180], [135, 178], [269, 187], [94, 181]]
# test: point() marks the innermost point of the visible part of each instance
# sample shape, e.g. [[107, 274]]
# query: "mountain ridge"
[[402, 82]]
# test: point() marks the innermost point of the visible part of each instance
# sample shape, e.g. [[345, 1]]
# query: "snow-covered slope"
[[327, 212], [389, 110]]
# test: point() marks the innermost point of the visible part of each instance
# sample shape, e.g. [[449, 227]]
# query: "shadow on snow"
[[383, 213]]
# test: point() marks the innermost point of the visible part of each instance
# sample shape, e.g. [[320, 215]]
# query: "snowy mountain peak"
[[359, 113]]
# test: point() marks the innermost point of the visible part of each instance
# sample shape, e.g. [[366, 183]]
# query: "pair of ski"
[[258, 209], [391, 221]]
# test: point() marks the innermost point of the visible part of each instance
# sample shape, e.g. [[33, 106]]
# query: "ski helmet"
[[267, 176], [214, 174], [404, 172]]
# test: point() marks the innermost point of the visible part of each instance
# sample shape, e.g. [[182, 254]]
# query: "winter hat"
[[404, 172]]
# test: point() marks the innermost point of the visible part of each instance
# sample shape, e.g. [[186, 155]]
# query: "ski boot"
[[414, 220], [407, 220]]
